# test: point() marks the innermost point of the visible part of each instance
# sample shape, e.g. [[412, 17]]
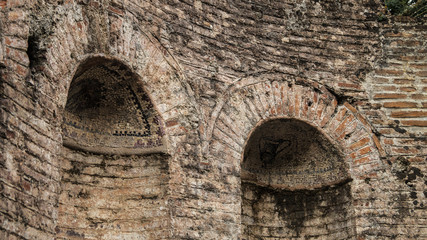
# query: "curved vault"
[[109, 112], [291, 154]]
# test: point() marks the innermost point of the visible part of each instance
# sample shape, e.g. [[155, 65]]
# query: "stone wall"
[[214, 71]]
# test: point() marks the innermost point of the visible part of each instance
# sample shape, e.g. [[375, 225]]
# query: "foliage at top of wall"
[[412, 8]]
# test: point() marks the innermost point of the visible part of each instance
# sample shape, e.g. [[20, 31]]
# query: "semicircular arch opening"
[[291, 154], [295, 184], [108, 111]]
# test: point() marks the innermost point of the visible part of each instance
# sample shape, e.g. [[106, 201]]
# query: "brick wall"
[[29, 170], [46, 46], [396, 109], [397, 89], [213, 70], [111, 197]]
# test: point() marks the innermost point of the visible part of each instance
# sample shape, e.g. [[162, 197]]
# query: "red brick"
[[362, 142], [378, 145], [313, 109], [349, 85], [385, 131], [317, 55], [379, 80], [416, 123], [307, 96], [385, 88], [405, 150], [171, 123], [362, 160], [364, 151], [421, 74], [403, 81], [350, 107], [344, 124], [408, 114], [419, 96], [418, 65], [115, 10], [400, 105], [363, 120], [389, 72], [416, 159], [389, 96], [410, 58], [410, 141], [327, 112], [420, 50], [272, 111], [408, 89], [349, 129], [94, 4], [26, 185]]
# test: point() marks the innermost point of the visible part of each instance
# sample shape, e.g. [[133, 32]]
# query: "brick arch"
[[251, 101], [68, 47], [143, 54]]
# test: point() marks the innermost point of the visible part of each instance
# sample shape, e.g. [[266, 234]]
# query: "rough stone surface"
[[214, 71]]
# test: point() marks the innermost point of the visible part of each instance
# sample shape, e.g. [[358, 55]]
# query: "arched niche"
[[291, 154], [109, 112], [115, 173], [295, 184]]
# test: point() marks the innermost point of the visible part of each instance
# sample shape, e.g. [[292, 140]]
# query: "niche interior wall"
[[114, 160]]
